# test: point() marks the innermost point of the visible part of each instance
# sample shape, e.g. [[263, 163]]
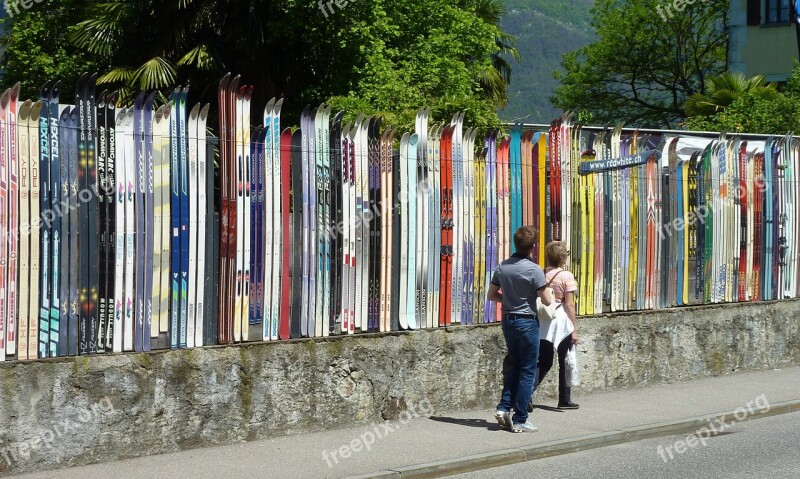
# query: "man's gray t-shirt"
[[519, 280]]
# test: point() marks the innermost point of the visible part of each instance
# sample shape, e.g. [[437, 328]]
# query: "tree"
[[378, 55], [760, 110], [495, 79], [725, 89], [36, 48], [646, 61]]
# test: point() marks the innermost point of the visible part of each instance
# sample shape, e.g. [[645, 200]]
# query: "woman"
[[563, 330]]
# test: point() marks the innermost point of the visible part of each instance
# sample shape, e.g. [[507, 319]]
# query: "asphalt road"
[[765, 448]]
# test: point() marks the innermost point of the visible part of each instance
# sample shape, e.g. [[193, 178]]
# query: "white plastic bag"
[[571, 363]]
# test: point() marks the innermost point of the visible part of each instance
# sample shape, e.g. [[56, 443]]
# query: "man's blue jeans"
[[522, 340]]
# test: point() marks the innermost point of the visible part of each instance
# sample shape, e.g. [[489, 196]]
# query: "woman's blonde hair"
[[556, 252]]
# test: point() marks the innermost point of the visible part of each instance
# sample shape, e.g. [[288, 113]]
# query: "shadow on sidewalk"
[[548, 408], [481, 423]]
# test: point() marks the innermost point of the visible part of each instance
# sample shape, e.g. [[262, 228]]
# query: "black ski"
[[81, 101], [65, 137], [104, 306], [91, 217], [74, 230], [44, 238], [336, 246], [297, 234], [107, 190]]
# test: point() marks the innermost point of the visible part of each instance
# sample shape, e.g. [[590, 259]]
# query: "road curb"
[[505, 457]]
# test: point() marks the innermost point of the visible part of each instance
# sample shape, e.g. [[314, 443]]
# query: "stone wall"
[[93, 409]]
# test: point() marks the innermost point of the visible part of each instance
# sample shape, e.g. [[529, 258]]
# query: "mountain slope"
[[545, 29]]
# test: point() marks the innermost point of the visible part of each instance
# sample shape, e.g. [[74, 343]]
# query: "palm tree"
[[155, 44], [722, 90], [495, 80]]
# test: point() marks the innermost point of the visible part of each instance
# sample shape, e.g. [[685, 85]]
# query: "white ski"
[[192, 290], [202, 166], [126, 125], [119, 231], [274, 134]]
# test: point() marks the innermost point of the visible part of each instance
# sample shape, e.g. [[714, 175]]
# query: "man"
[[516, 283]]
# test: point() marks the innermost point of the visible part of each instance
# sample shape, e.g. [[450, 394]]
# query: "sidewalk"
[[446, 436]]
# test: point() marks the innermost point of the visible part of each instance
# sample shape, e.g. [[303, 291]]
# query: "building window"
[[754, 12], [777, 11]]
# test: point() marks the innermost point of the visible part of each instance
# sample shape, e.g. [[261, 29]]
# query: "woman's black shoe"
[[568, 405]]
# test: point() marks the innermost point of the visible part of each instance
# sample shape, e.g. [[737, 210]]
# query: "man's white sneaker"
[[503, 418], [527, 427]]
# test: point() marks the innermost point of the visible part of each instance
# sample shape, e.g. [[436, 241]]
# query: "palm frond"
[[158, 72], [99, 34], [199, 57], [117, 75]]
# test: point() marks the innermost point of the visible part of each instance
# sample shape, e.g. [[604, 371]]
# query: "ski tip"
[[276, 110], [25, 110], [15, 91], [234, 84], [101, 100], [4, 98], [45, 90], [112, 101], [268, 109], [204, 111], [140, 98], [151, 98], [36, 110], [195, 112]]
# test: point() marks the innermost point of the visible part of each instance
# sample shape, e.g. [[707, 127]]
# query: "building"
[[763, 38]]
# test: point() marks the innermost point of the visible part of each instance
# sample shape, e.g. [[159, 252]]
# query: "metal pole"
[[683, 133]]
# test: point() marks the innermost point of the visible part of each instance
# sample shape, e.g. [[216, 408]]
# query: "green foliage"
[[378, 56], [723, 90], [643, 67], [760, 111], [37, 50]]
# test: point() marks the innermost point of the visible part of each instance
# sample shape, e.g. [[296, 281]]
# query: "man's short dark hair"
[[524, 239]]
